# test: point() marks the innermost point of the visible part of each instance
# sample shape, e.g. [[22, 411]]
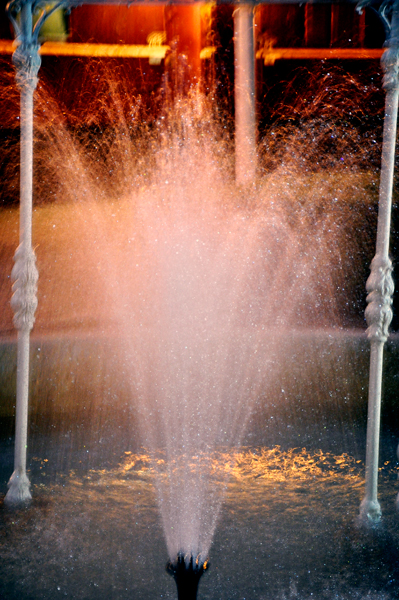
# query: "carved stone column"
[[24, 274], [244, 94], [380, 284]]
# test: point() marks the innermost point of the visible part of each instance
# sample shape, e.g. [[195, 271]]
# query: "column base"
[[18, 490], [370, 512]]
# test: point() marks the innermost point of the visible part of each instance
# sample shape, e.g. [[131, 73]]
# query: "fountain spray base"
[[186, 575]]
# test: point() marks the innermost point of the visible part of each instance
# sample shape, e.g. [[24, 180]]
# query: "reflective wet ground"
[[287, 530], [287, 527]]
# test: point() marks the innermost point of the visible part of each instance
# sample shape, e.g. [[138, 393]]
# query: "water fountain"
[[189, 247]]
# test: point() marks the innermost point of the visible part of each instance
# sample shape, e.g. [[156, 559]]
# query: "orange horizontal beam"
[[271, 55], [158, 52], [101, 50]]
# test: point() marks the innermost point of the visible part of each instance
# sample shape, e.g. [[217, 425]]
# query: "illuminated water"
[[286, 531], [172, 307], [286, 528], [198, 285]]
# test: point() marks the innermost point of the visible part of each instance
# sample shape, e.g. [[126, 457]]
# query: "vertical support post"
[[244, 94], [183, 28], [24, 274], [380, 285]]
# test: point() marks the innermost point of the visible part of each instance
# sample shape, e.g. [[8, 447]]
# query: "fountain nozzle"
[[187, 575]]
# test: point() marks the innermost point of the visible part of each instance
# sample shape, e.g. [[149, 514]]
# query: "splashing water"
[[199, 281]]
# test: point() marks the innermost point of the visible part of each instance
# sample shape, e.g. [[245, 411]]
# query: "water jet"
[[222, 284]]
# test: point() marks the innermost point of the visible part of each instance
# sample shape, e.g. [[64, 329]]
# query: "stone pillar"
[[24, 274], [380, 284], [244, 94]]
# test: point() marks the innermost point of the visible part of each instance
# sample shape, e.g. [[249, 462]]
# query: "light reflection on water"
[[286, 531]]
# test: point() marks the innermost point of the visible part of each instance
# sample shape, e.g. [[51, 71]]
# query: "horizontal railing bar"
[[271, 55], [159, 52], [101, 50]]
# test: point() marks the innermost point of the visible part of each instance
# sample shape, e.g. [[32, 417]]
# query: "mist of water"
[[196, 280], [199, 281]]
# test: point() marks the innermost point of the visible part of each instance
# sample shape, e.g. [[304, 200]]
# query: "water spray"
[[187, 575]]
